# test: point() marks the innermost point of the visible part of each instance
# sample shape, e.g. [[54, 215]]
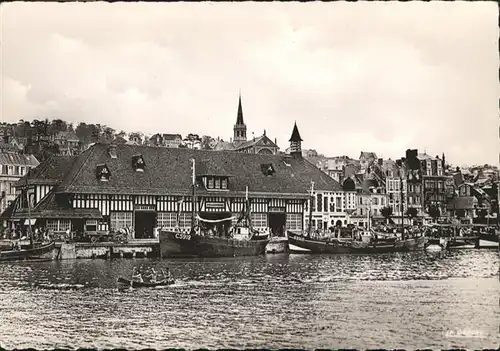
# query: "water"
[[410, 300]]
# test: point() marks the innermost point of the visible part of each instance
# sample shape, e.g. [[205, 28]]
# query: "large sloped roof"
[[51, 171], [168, 171]]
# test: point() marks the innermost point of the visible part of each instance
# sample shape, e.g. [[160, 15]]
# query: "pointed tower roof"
[[239, 119], [295, 134]]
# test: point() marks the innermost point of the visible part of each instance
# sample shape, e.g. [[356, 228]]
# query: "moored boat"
[[277, 244], [240, 240], [369, 244], [330, 246], [46, 251]]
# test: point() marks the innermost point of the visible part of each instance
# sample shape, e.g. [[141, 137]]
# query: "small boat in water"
[[43, 252], [139, 284]]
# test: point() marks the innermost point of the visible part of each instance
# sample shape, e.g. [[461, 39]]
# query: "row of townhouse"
[[417, 188]]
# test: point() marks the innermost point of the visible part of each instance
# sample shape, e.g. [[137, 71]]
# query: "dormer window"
[[215, 183], [102, 172], [267, 169], [138, 163]]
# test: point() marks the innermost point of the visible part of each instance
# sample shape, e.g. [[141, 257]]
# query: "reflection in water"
[[411, 300]]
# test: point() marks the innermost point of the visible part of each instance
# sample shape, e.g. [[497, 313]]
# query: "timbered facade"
[[112, 187]]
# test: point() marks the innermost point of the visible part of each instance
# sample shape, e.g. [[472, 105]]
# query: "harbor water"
[[405, 300]]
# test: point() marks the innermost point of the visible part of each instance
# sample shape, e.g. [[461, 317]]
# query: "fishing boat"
[[138, 284], [358, 242], [31, 251], [43, 252], [240, 240]]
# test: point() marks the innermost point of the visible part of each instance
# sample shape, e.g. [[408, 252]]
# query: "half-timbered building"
[[111, 187]]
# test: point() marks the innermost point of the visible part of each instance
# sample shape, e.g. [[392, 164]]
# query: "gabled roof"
[[51, 171], [66, 135], [223, 145], [166, 136], [263, 140], [53, 207], [169, 172], [17, 159], [367, 154]]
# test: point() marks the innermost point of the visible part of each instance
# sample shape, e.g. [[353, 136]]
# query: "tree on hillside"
[[108, 133], [136, 137], [192, 141], [386, 212], [206, 142], [57, 125]]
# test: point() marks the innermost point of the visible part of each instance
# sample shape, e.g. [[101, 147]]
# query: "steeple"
[[240, 129], [295, 142], [239, 119]]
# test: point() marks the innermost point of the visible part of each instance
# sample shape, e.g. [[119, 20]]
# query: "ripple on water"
[[298, 301]]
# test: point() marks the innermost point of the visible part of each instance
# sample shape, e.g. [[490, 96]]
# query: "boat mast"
[[193, 196], [402, 202], [29, 219], [310, 209], [247, 212]]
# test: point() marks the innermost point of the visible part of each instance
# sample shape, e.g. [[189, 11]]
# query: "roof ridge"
[[77, 173]]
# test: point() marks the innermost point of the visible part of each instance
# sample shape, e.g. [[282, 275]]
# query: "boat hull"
[[411, 244], [137, 284], [277, 245], [336, 246], [44, 252], [318, 246], [174, 244]]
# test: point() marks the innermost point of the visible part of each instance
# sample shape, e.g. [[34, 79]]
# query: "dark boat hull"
[[412, 244], [174, 244], [350, 246], [136, 284], [45, 252], [318, 246]]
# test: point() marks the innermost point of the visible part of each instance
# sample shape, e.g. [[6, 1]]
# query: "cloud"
[[382, 76]]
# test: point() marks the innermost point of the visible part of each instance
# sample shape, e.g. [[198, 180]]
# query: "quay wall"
[[71, 251]]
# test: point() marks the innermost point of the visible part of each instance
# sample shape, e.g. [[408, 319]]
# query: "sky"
[[357, 76]]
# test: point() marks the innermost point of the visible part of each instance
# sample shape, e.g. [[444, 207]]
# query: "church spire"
[[240, 129], [239, 118]]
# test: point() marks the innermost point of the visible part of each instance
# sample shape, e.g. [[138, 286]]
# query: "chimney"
[[380, 161], [112, 151]]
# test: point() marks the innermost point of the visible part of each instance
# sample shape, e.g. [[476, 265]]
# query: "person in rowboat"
[[136, 275]]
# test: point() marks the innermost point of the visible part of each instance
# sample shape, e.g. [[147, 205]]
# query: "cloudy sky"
[[379, 77]]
